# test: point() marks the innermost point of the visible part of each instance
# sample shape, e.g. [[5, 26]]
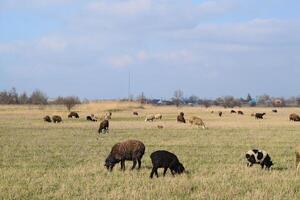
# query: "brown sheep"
[[135, 113], [56, 119], [160, 126], [232, 111], [180, 117], [73, 114], [149, 118], [197, 121], [294, 117], [274, 111], [297, 160], [127, 150], [220, 113], [158, 116], [240, 112], [47, 119], [104, 125]]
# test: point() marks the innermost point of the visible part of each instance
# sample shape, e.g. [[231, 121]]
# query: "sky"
[[208, 48]]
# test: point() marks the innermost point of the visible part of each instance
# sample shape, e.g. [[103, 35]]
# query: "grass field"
[[41, 160]]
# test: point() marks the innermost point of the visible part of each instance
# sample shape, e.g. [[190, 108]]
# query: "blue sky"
[[208, 48]]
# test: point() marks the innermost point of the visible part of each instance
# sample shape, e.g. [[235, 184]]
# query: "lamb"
[[220, 113], [104, 125], [158, 116], [91, 118], [240, 112], [197, 121], [294, 117], [259, 115], [256, 156], [127, 150], [180, 117], [149, 118], [166, 160], [56, 119], [47, 119], [73, 114], [297, 160]]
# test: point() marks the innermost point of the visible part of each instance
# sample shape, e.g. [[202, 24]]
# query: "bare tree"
[[70, 102], [38, 97], [178, 94]]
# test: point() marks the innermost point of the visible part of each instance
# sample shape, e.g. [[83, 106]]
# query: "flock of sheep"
[[134, 150]]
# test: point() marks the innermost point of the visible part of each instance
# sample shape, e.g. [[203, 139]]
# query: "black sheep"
[[103, 126], [47, 119], [240, 112], [259, 115], [73, 114], [232, 111], [220, 113], [180, 117], [56, 119], [127, 150], [166, 160]]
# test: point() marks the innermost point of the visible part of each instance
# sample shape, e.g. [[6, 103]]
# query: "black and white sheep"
[[256, 156], [166, 160]]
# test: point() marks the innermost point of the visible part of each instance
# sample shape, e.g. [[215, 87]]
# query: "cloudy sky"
[[208, 48]]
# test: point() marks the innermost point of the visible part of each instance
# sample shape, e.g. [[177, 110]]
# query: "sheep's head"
[[179, 169], [110, 162]]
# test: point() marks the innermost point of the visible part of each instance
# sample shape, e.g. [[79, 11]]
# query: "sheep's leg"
[[139, 162], [154, 170], [165, 170], [123, 165], [134, 164]]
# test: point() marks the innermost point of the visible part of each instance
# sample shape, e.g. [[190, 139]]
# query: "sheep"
[[160, 126], [232, 111], [127, 150], [149, 118], [104, 125], [180, 117], [197, 121], [256, 156], [294, 117], [220, 113], [56, 119], [91, 118], [240, 112], [274, 111], [166, 160], [259, 115], [47, 119], [158, 116], [297, 160], [135, 113], [73, 114], [107, 115]]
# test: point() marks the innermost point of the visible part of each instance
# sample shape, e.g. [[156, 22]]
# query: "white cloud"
[[120, 61]]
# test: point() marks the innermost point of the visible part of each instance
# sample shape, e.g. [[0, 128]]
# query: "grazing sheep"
[[197, 121], [259, 115], [107, 115], [166, 160], [127, 150], [158, 116], [91, 118], [232, 111], [294, 117], [220, 113], [297, 161], [180, 117], [104, 125], [240, 112], [56, 119], [256, 156], [160, 126], [73, 114], [274, 111], [47, 119], [149, 118], [135, 113]]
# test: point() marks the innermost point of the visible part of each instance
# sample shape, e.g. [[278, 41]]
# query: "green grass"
[[65, 161]]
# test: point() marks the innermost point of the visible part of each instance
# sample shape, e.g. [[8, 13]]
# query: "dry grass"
[[65, 161]]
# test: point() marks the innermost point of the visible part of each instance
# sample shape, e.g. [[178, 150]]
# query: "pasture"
[[40, 160]]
